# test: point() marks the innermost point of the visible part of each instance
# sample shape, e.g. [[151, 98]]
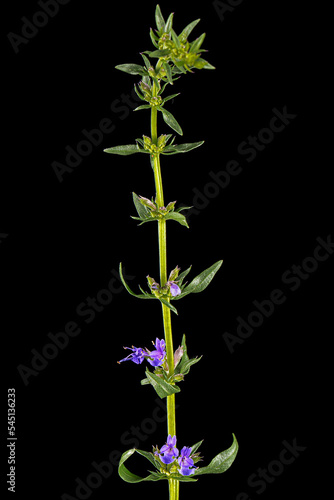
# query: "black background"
[[64, 239]]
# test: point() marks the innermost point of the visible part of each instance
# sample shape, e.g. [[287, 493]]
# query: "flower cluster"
[[177, 462], [171, 288], [155, 358]]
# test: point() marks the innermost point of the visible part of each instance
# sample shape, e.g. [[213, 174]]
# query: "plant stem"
[[166, 312]]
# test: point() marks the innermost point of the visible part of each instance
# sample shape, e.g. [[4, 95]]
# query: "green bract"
[[172, 56]]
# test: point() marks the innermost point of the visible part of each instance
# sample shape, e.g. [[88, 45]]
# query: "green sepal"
[[201, 281], [132, 69], [170, 120], [161, 387], [184, 366], [221, 462], [126, 150], [181, 148]]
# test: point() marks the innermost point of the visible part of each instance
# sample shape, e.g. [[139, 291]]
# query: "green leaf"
[[182, 275], [175, 39], [169, 305], [185, 363], [128, 289], [159, 53], [161, 387], [195, 447], [154, 38], [143, 106], [196, 45], [201, 281], [168, 98], [132, 69], [170, 120], [169, 73], [221, 462], [160, 22], [146, 61], [181, 148], [169, 23], [129, 149], [128, 476], [188, 29], [178, 218], [142, 211]]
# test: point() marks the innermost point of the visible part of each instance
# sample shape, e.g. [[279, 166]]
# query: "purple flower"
[[185, 462], [156, 358], [169, 452], [174, 288], [137, 356]]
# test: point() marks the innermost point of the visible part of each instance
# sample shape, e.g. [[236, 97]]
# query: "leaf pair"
[[219, 464], [146, 215], [197, 285]]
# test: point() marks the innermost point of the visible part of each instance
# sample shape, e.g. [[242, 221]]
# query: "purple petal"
[[167, 458], [174, 289], [186, 471]]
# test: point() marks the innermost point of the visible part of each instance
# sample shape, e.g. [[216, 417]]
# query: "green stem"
[[166, 312]]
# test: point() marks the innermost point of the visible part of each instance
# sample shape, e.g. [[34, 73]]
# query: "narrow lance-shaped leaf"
[[181, 148], [126, 150], [170, 120], [128, 476], [160, 22], [132, 69], [201, 281]]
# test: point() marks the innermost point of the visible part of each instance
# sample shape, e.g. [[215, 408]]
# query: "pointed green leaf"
[[128, 476], [160, 22], [169, 305], [178, 218], [186, 362], [169, 97], [146, 61], [169, 23], [132, 69], [181, 148], [161, 387], [195, 447], [203, 64], [169, 73], [170, 120], [221, 462], [196, 45], [129, 149], [159, 53], [142, 211], [128, 289], [175, 39], [154, 38], [143, 106], [183, 275], [188, 29], [201, 281]]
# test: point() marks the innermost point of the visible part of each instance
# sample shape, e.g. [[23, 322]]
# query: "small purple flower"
[[185, 462], [156, 358], [137, 356], [174, 288], [169, 452]]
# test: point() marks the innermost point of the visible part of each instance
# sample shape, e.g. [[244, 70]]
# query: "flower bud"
[[174, 274], [147, 203]]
